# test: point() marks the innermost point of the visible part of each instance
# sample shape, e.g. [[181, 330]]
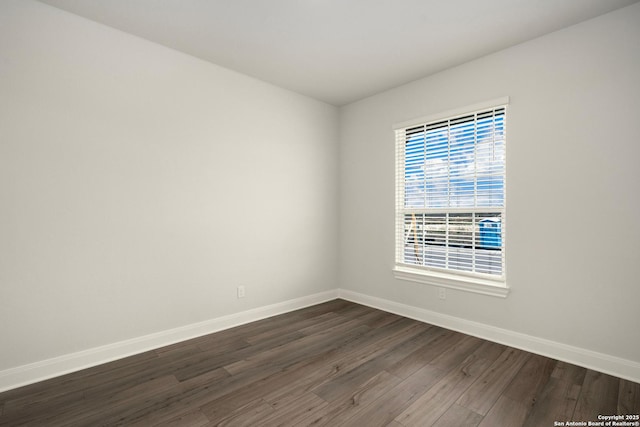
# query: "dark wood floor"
[[333, 364]]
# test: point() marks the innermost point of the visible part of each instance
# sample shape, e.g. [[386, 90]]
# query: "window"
[[450, 199]]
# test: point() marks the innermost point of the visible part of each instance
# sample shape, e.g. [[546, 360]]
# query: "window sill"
[[463, 283]]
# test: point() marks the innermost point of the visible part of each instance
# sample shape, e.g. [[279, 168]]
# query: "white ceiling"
[[338, 51]]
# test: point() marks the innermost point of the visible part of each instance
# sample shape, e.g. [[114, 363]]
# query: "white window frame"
[[486, 284]]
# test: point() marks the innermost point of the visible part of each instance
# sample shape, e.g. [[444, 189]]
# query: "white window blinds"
[[450, 193]]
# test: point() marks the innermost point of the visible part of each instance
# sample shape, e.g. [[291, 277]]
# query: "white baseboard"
[[39, 371], [601, 362]]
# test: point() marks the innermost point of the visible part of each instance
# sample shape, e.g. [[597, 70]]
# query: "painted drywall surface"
[[573, 185], [139, 186]]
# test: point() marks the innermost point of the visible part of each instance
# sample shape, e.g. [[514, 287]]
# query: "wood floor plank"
[[191, 399], [427, 409], [251, 414], [354, 310], [375, 319], [286, 380], [341, 410], [42, 403], [292, 348], [209, 378], [506, 412], [274, 323], [85, 412], [194, 393], [518, 399], [326, 323], [559, 396], [334, 364], [628, 398], [346, 358], [598, 396], [481, 396], [57, 388], [458, 352], [204, 362], [490, 350], [437, 343], [350, 356], [211, 347], [385, 355], [385, 409], [191, 419], [569, 373], [294, 326], [530, 380], [294, 412], [459, 416], [381, 318], [133, 400], [557, 403]]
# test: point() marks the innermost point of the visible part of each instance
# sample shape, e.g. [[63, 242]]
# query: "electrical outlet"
[[241, 291], [442, 293]]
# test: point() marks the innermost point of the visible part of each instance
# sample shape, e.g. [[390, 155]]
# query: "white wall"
[[139, 186], [573, 186]]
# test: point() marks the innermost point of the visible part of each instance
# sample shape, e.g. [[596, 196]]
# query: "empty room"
[[320, 213]]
